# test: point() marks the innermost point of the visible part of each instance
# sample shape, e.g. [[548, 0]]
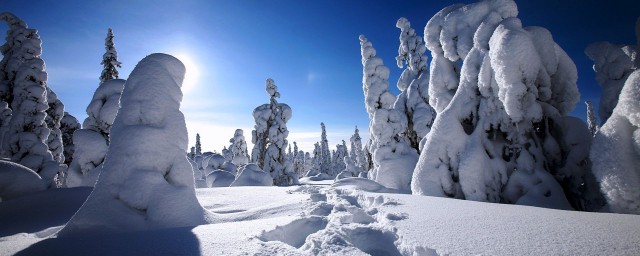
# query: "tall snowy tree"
[[24, 89], [325, 154], [338, 164], [357, 154], [68, 125], [198, 145], [238, 148], [615, 151], [315, 162], [591, 118], [393, 159], [504, 135], [55, 113], [413, 100], [109, 59], [270, 138], [146, 174], [91, 142]]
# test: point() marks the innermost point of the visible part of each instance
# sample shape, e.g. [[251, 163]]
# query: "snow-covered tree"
[[393, 159], [109, 59], [147, 181], [198, 145], [591, 118], [270, 138], [615, 151], [55, 112], [308, 163], [295, 149], [68, 125], [315, 163], [192, 153], [357, 153], [91, 142], [413, 100], [24, 89], [613, 64], [298, 164], [501, 133], [338, 158], [238, 148], [325, 154]]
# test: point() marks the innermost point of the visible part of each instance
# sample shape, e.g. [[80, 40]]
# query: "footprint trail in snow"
[[340, 221]]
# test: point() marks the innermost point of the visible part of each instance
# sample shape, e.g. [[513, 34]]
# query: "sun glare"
[[192, 74]]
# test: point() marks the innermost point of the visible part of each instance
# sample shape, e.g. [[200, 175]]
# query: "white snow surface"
[[252, 175], [320, 220]]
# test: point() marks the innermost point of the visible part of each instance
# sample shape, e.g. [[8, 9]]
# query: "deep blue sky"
[[310, 49]]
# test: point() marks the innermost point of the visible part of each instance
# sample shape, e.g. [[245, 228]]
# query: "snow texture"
[[616, 151], [238, 148], [220, 178], [55, 112], [498, 134], [92, 141], [147, 181], [252, 175], [17, 181], [591, 118]]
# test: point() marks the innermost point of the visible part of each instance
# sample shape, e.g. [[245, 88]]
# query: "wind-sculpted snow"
[[252, 175], [147, 181], [500, 137], [17, 180]]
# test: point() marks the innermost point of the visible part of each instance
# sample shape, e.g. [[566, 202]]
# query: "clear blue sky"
[[310, 49]]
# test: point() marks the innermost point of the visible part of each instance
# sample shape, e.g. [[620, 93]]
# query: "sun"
[[192, 74]]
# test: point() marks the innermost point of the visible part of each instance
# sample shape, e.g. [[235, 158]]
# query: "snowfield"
[[323, 220]]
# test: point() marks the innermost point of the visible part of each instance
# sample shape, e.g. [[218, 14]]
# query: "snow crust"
[[147, 181]]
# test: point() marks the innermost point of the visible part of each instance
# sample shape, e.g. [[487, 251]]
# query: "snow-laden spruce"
[[147, 182], [238, 148], [325, 154], [198, 145], [109, 59], [393, 158], [55, 112], [68, 125], [615, 151], [337, 159], [91, 142], [23, 86], [413, 84], [270, 138], [591, 118], [356, 153], [502, 134]]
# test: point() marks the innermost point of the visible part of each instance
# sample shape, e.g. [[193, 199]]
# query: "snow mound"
[[220, 178], [252, 175], [147, 182], [90, 149], [363, 184], [17, 180]]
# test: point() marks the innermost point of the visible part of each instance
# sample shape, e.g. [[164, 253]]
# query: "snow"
[[320, 220], [17, 180], [220, 178], [147, 181], [252, 175]]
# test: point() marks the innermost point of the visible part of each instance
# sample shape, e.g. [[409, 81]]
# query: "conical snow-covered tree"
[[501, 133], [146, 175], [24, 89], [92, 141], [414, 85], [393, 159], [198, 145], [357, 154], [591, 118], [54, 116], [315, 162], [270, 138], [325, 154], [109, 59], [68, 125], [238, 148], [298, 164]]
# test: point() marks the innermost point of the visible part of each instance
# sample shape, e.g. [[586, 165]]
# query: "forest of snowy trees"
[[484, 119]]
